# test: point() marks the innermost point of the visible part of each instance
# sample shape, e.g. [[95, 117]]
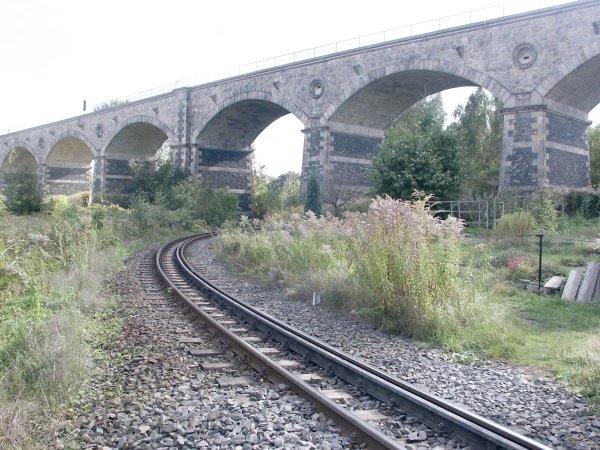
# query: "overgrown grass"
[[412, 274], [397, 265], [561, 337], [51, 268]]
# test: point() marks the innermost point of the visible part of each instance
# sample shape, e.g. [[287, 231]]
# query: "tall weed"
[[397, 264], [51, 265]]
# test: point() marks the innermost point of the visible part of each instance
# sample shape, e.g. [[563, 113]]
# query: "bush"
[[545, 216], [520, 267], [202, 202], [397, 264], [20, 193], [573, 201], [590, 205], [313, 195], [515, 223]]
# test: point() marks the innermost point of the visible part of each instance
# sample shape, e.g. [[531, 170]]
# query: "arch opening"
[[237, 126], [358, 127], [69, 167], [580, 88], [137, 142], [226, 145], [19, 161], [379, 103]]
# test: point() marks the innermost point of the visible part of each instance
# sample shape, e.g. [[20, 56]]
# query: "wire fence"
[[528, 259]]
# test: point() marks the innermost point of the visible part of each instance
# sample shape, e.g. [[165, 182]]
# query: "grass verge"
[[404, 271]]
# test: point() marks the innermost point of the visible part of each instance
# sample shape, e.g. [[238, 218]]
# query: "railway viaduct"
[[543, 65]]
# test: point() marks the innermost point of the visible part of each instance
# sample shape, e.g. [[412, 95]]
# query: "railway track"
[[295, 359]]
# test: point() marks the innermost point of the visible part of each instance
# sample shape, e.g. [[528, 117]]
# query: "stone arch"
[[27, 152], [72, 134], [574, 82], [140, 119], [439, 74], [138, 138], [249, 96], [19, 159], [69, 164]]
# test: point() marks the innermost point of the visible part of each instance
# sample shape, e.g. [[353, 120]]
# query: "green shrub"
[[545, 216], [573, 201], [20, 193], [590, 204], [397, 264], [520, 267], [515, 223], [313, 195]]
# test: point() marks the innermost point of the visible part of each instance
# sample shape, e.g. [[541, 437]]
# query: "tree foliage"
[[595, 155], [110, 104], [155, 179], [479, 127], [418, 154], [271, 195], [203, 202], [21, 195], [313, 195], [165, 197]]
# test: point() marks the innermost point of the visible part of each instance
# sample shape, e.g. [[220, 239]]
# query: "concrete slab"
[[205, 352], [289, 364], [589, 283], [337, 394], [218, 366], [269, 350], [572, 286], [191, 340], [237, 381], [309, 377], [371, 415]]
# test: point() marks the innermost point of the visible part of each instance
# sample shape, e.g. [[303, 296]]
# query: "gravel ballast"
[[524, 400], [152, 393]]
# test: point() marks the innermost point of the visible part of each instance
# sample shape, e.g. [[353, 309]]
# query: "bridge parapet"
[[542, 65]]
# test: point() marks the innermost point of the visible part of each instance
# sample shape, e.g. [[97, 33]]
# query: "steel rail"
[[431, 410], [355, 428]]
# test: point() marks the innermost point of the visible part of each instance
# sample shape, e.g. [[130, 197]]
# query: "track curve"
[[435, 412]]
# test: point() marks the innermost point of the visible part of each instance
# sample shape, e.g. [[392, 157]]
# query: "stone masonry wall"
[[567, 169]]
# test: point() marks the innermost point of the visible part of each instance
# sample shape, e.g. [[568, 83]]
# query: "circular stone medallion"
[[524, 55], [316, 88]]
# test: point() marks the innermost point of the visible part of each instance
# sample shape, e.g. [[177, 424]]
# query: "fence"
[[531, 257], [480, 213]]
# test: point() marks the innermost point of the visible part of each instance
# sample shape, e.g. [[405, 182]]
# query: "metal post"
[[541, 237]]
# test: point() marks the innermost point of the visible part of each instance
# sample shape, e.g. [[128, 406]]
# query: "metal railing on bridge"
[[405, 31]]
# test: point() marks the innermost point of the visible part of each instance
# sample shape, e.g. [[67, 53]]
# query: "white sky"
[[57, 53]]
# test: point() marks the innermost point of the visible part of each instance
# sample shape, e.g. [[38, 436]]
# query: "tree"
[[313, 195], [204, 202], [110, 104], [595, 155], [340, 195], [156, 179], [20, 193], [271, 195], [479, 126], [418, 154]]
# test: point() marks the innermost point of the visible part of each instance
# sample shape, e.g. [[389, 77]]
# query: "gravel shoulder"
[[517, 397], [152, 394]]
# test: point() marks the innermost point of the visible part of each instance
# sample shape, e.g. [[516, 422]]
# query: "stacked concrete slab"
[[583, 285]]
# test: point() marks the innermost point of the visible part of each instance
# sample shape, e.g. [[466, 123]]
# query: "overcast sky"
[[56, 53]]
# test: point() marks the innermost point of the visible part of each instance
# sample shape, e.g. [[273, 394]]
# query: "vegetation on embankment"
[[55, 323], [51, 267], [413, 274]]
